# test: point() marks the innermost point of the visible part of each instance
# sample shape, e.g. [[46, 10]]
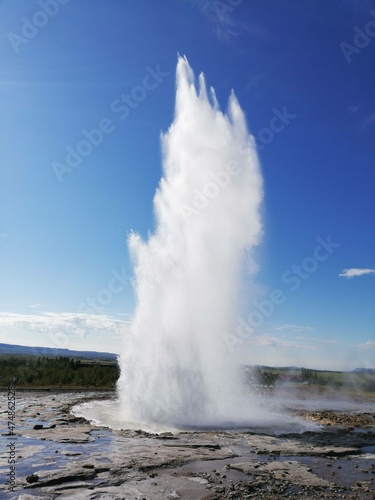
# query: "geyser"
[[176, 367]]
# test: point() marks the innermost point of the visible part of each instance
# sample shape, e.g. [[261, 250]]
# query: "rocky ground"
[[60, 455]]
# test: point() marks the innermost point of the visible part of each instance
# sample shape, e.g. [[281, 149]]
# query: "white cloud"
[[369, 345], [353, 272], [278, 342], [294, 328], [64, 330]]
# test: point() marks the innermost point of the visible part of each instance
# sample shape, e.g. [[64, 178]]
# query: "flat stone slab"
[[291, 471], [62, 434], [292, 446]]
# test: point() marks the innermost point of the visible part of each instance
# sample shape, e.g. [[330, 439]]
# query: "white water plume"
[[176, 366]]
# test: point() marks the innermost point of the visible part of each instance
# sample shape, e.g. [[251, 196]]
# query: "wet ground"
[[60, 455]]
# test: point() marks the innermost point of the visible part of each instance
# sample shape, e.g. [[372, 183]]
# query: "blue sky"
[[64, 264]]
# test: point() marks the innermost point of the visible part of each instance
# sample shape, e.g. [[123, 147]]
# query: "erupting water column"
[[177, 367]]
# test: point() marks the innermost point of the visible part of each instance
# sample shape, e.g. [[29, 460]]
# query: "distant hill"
[[19, 350], [364, 370]]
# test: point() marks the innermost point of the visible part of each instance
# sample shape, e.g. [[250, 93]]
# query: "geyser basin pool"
[[108, 414], [292, 414]]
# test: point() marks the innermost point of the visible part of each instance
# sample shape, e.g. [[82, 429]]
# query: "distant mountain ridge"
[[364, 370], [51, 351]]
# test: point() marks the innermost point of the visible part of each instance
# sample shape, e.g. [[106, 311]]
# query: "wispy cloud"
[[294, 328], [354, 272], [316, 353], [279, 342], [72, 324], [369, 345], [223, 23], [367, 122], [354, 109]]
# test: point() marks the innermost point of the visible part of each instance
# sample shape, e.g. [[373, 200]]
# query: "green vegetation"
[[357, 382], [58, 372], [265, 377]]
